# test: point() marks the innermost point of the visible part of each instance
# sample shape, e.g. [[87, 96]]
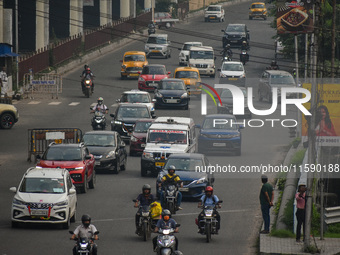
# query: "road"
[[110, 203]]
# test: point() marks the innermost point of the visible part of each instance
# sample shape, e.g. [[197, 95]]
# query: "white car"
[[44, 195], [185, 50], [214, 12], [232, 72], [137, 97], [158, 45]]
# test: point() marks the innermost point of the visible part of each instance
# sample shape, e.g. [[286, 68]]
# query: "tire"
[[117, 168], [213, 75], [7, 121], [132, 153], [171, 207], [143, 172], [87, 92], [83, 189], [205, 20], [186, 107], [92, 183], [74, 217], [264, 18], [208, 232], [67, 224], [145, 231]]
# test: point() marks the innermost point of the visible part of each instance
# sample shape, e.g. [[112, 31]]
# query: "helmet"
[[227, 46], [166, 214], [86, 66], [100, 100], [273, 63], [146, 187], [244, 42], [85, 217], [209, 188], [172, 167]]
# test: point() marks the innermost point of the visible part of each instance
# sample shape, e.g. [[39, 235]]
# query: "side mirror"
[[134, 200], [178, 225], [118, 100], [112, 115], [197, 126], [139, 72], [122, 144], [179, 48], [87, 157], [38, 157], [153, 100], [219, 69], [72, 191], [13, 189], [222, 30]]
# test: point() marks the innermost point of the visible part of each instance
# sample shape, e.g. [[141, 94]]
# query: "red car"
[[151, 75], [74, 157], [138, 136]]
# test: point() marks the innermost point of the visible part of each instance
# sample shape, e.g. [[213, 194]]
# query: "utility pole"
[[17, 43], [333, 39]]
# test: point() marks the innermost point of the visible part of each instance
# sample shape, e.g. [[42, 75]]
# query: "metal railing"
[[332, 215], [44, 84]]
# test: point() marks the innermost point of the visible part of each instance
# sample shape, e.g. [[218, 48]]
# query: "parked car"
[[74, 157], [184, 52], [136, 96], [214, 12], [108, 150], [132, 63], [151, 75], [44, 196], [9, 115], [192, 79], [227, 103], [158, 45], [191, 168], [275, 79], [232, 72], [235, 34], [219, 133], [138, 136], [171, 93], [126, 116], [258, 10]]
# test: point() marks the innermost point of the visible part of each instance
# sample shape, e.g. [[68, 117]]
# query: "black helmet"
[[166, 212], [85, 217], [146, 187], [86, 66]]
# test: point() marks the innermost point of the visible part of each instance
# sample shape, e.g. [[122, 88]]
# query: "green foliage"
[[312, 249], [334, 228], [298, 157], [282, 233], [288, 215], [281, 183], [315, 221], [162, 6], [296, 142], [277, 205]]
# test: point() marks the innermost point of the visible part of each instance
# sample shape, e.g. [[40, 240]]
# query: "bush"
[[282, 233], [298, 157], [288, 215], [281, 183], [296, 142]]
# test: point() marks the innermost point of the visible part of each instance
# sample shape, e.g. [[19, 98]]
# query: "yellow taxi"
[[258, 10], [132, 64], [191, 77]]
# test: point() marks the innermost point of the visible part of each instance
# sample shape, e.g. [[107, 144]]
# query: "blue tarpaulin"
[[6, 51]]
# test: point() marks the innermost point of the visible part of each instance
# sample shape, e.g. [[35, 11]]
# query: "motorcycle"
[[146, 224], [244, 57], [208, 224], [170, 197], [87, 86], [84, 246], [98, 121], [151, 29], [166, 241], [226, 58]]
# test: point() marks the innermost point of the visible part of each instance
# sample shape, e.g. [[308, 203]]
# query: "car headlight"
[[147, 154], [222, 75], [117, 122], [235, 135], [133, 139], [185, 95], [18, 202], [158, 94], [141, 79], [243, 76], [202, 180], [111, 154], [61, 203]]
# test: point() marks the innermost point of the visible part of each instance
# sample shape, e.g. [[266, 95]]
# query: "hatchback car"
[[158, 45], [192, 79], [219, 133], [44, 196], [275, 79], [232, 72], [235, 34], [138, 136], [76, 158], [171, 93], [258, 10], [191, 168], [151, 75], [185, 50], [132, 63], [137, 97], [126, 116], [8, 116], [108, 150]]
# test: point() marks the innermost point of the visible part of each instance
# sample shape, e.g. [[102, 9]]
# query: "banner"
[[294, 16], [327, 115]]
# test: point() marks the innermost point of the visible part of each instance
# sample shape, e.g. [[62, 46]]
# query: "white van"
[[203, 58]]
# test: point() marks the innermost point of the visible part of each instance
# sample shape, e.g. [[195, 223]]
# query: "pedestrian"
[[266, 201], [300, 197]]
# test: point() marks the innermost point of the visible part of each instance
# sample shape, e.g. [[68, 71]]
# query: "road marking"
[[34, 102], [74, 103], [54, 103]]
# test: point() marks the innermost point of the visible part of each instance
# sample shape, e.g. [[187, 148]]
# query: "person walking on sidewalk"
[[300, 197], [266, 201]]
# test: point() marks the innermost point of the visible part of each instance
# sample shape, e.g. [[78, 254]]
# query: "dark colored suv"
[[235, 34]]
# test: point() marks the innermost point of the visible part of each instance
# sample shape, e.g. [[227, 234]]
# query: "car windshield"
[[187, 46], [63, 154], [226, 93], [281, 79], [214, 123], [157, 40], [133, 112], [100, 140], [235, 29], [154, 70], [129, 58], [168, 136], [257, 6], [172, 85], [135, 98], [214, 9], [186, 74], [142, 127], [188, 164], [232, 67], [201, 54], [42, 185]]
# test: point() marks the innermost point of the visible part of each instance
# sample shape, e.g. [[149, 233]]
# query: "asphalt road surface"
[[110, 203]]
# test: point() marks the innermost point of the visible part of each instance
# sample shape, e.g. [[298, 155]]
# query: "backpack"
[[156, 210]]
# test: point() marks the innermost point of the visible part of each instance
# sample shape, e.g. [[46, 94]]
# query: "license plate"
[[233, 79], [212, 17], [97, 163], [133, 74], [142, 145], [171, 101], [39, 212], [183, 189], [219, 144], [159, 163], [155, 51]]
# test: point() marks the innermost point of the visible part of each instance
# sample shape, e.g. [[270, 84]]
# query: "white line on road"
[[54, 103], [74, 103], [34, 102]]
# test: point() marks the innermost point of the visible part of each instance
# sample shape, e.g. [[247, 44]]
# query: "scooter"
[[166, 241], [84, 246], [244, 57], [98, 121]]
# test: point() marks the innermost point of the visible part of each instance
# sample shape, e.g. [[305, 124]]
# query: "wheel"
[[6, 121], [265, 18], [87, 93], [205, 20], [74, 217], [84, 187], [171, 207], [213, 75], [92, 183], [116, 168], [208, 232], [143, 171], [67, 224], [260, 96], [145, 231]]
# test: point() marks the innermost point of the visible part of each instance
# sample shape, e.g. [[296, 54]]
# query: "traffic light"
[[292, 132]]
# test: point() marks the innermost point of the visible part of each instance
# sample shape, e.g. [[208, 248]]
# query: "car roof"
[[133, 105], [186, 68], [145, 120], [175, 120], [73, 145], [278, 72], [134, 53], [232, 62], [187, 155], [240, 25], [193, 43], [36, 172], [201, 48], [158, 35], [219, 116], [154, 65], [156, 125], [215, 5], [258, 3], [101, 132], [135, 91]]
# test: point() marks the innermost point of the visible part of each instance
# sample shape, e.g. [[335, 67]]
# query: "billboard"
[[327, 115], [294, 16]]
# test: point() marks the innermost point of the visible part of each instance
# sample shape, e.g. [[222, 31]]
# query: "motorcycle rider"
[[227, 52], [209, 199], [151, 27], [87, 72], [85, 230], [244, 47], [274, 65], [100, 106], [166, 221], [171, 179], [145, 198]]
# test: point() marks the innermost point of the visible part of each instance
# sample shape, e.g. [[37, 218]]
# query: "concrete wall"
[[76, 17], [105, 9], [42, 24], [124, 8]]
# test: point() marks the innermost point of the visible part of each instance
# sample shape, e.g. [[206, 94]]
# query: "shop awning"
[[6, 51]]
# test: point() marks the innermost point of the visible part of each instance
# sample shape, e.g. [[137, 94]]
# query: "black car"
[[192, 168], [235, 34], [171, 93], [108, 150], [126, 116]]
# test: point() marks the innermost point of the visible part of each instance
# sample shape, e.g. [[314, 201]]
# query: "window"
[[43, 185], [202, 54]]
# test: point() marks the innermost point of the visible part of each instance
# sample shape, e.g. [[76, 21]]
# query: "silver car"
[[158, 45]]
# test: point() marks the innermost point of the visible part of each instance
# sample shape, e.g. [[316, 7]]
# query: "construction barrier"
[[44, 84]]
